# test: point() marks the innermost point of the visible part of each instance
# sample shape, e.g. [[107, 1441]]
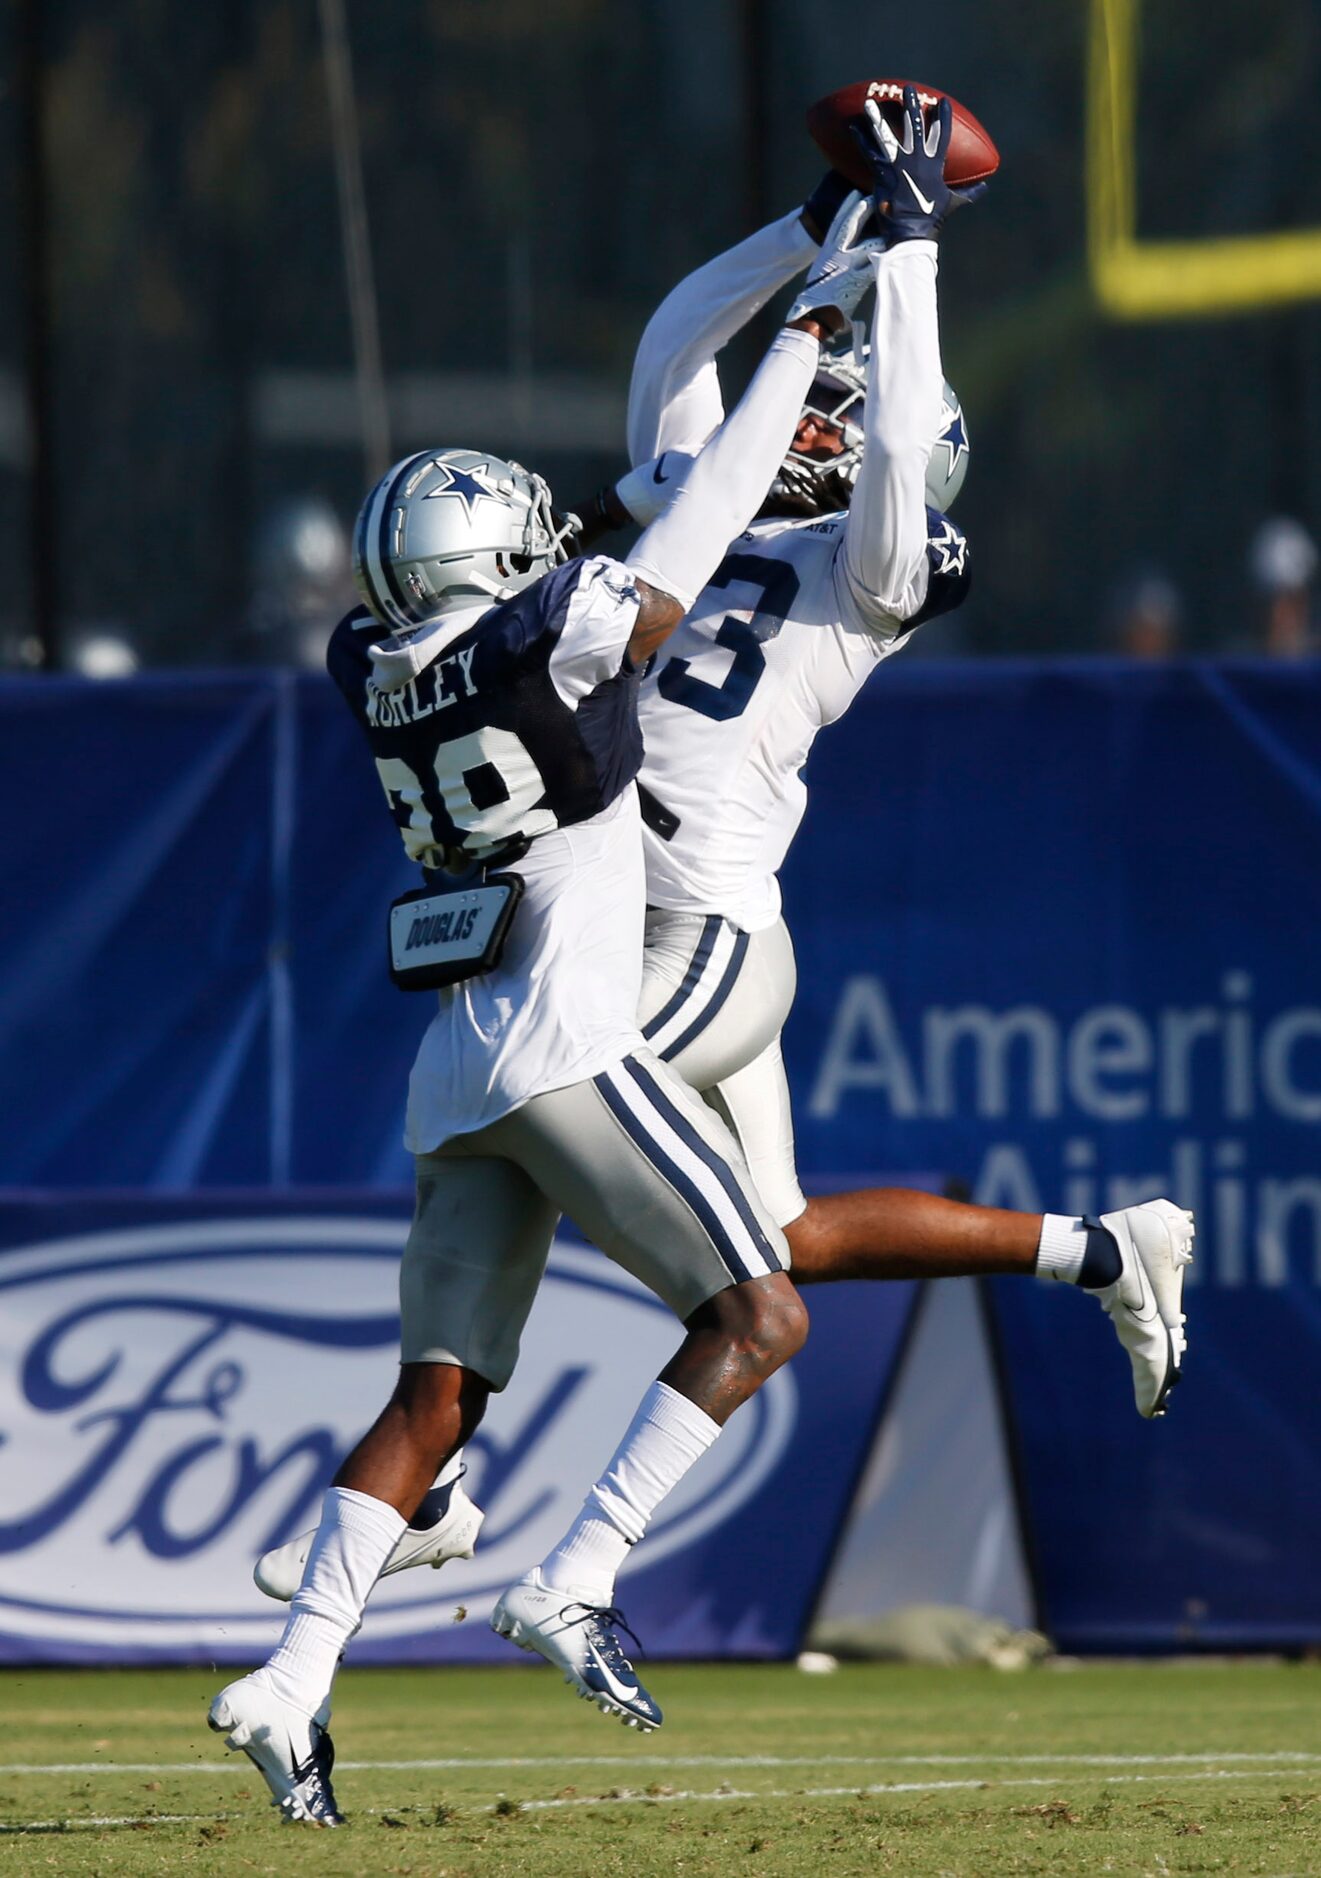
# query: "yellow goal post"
[[1146, 280]]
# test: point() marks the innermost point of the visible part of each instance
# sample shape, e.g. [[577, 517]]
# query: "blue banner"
[[1056, 938], [195, 994], [183, 1377], [1056, 929]]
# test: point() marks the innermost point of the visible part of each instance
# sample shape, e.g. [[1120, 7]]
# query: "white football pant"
[[714, 1001]]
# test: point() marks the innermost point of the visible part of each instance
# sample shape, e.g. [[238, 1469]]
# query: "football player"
[[496, 683], [852, 553], [848, 558]]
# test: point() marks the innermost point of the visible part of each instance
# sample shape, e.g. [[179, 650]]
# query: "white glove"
[[842, 274]]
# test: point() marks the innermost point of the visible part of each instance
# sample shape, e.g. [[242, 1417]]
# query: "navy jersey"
[[492, 726]]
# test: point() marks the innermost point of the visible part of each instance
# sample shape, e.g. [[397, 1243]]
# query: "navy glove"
[[824, 204], [912, 197]]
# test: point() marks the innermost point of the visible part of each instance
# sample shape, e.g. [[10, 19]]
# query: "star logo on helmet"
[[949, 549], [953, 438], [465, 484]]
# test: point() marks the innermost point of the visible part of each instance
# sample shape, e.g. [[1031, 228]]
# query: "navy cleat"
[[291, 1751], [581, 1640]]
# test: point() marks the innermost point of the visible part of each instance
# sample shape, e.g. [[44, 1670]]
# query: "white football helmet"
[[948, 463], [446, 527], [823, 484]]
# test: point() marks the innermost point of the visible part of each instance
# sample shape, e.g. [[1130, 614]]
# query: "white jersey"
[[763, 660], [561, 1006], [799, 613]]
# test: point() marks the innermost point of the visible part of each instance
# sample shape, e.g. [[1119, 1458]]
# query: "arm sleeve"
[[674, 400], [727, 483], [882, 569], [648, 490]]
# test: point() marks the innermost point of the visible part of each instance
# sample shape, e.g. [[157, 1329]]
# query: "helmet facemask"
[[820, 479]]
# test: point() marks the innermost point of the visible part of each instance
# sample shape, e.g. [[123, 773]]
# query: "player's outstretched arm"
[[727, 484], [677, 555], [674, 400], [883, 558], [882, 562]]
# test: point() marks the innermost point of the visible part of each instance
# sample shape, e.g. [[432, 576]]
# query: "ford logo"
[[176, 1398]]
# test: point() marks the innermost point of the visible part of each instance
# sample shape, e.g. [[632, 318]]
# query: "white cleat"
[[292, 1752], [582, 1641], [1145, 1302], [448, 1525]]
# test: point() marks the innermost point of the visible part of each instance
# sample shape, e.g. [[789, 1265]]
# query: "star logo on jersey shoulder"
[[948, 549], [953, 438], [466, 484]]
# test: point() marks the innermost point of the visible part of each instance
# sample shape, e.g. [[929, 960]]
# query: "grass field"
[[1158, 1769]]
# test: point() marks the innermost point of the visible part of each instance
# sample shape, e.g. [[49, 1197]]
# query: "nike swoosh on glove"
[[912, 198]]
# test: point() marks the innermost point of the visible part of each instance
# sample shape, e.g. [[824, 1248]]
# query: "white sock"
[[1062, 1248], [666, 1436], [356, 1536]]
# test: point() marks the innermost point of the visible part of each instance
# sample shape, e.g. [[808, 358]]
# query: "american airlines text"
[[1207, 1101]]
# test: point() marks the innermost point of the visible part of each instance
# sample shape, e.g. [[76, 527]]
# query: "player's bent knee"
[[765, 1318], [787, 1321]]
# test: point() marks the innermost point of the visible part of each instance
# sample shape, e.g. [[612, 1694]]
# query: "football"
[[971, 156]]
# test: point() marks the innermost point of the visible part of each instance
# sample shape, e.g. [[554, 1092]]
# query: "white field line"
[[876, 1792], [510, 1763], [100, 1822]]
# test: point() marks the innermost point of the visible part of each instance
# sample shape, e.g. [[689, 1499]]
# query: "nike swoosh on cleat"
[[621, 1691], [656, 476], [925, 206], [1147, 1313], [1150, 1311]]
